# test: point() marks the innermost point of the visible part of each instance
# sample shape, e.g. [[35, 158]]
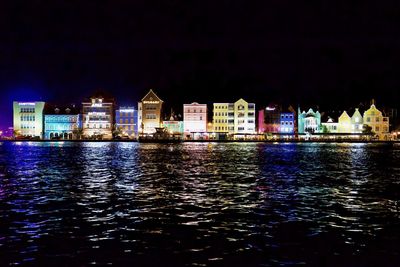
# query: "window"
[[377, 128], [377, 119], [151, 116], [368, 119]]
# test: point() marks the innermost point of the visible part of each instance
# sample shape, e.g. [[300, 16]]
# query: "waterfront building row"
[[98, 118]]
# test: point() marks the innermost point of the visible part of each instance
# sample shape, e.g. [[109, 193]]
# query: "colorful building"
[[309, 122], [28, 119], [244, 117], [224, 117], [62, 122], [269, 119], [173, 127], [344, 123], [126, 121], [195, 118], [379, 124], [149, 115], [234, 118], [98, 118], [287, 123], [357, 122]]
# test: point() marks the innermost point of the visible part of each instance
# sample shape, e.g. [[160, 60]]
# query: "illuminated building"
[[173, 127], [126, 121], [286, 123], [61, 122], [269, 119], [28, 118], [234, 118], [244, 117], [149, 115], [195, 118], [223, 117], [98, 118], [309, 122], [330, 126], [357, 122], [379, 124], [344, 123]]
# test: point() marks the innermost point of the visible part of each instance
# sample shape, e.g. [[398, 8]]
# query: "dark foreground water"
[[236, 204]]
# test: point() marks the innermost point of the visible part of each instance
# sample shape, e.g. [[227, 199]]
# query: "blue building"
[[62, 123], [286, 123], [126, 119]]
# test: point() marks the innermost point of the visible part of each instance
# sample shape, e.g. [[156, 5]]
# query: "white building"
[[195, 118], [98, 118], [357, 122], [28, 118]]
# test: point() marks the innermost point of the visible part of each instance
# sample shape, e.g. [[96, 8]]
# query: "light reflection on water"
[[199, 204]]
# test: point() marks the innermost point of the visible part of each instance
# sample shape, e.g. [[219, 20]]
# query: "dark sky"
[[334, 55]]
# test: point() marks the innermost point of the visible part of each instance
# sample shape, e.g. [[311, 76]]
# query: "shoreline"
[[205, 141]]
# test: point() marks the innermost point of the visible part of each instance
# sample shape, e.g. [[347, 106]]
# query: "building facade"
[[244, 117], [269, 119], [357, 122], [195, 118], [223, 117], [379, 124], [344, 123], [126, 121], [98, 118], [329, 126], [62, 122], [149, 113], [287, 123], [234, 118], [28, 119], [173, 127], [309, 122]]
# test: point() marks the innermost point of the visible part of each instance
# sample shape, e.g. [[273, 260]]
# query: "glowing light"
[[26, 104], [151, 102], [97, 105]]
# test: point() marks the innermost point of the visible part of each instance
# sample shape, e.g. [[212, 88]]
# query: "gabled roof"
[[152, 93]]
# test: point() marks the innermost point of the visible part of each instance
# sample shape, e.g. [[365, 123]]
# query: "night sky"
[[331, 55]]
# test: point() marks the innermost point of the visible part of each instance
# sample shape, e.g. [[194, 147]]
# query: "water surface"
[[199, 204]]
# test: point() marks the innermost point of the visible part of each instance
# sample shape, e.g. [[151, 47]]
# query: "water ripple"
[[199, 204]]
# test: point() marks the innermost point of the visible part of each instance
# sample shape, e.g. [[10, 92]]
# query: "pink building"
[[195, 118]]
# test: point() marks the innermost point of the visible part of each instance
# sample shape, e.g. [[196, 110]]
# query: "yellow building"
[[379, 124], [344, 123], [149, 117], [223, 117], [234, 118]]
